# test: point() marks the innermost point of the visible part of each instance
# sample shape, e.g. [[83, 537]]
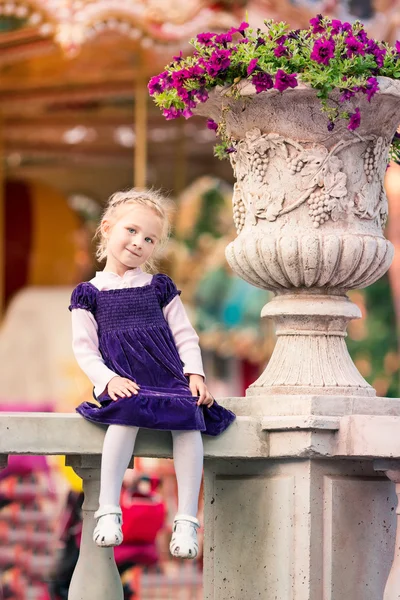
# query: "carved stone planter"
[[309, 208]]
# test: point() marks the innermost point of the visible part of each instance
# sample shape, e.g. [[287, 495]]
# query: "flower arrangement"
[[329, 55]]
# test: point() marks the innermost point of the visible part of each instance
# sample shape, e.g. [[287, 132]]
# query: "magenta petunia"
[[284, 80], [354, 46], [252, 66], [241, 29], [378, 52], [371, 88], [211, 124], [207, 39], [362, 36], [336, 26], [398, 47], [317, 25], [260, 42], [346, 95], [223, 39], [159, 83], [179, 77], [219, 61], [262, 82], [323, 50], [201, 94], [178, 58], [280, 50], [171, 113], [355, 120]]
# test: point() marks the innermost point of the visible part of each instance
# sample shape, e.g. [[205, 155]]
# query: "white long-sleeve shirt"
[[85, 342]]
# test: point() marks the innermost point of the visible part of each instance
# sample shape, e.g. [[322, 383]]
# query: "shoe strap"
[[188, 518], [108, 509]]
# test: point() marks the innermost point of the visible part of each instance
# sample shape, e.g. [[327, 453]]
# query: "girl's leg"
[[118, 446], [188, 461]]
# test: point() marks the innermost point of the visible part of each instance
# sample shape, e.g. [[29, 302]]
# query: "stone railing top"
[[361, 436], [59, 433]]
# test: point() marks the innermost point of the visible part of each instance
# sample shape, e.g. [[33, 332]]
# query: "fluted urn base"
[[311, 356]]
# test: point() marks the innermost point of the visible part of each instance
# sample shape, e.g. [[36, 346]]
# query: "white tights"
[[118, 446]]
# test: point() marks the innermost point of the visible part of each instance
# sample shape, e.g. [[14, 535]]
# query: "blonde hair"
[[153, 199]]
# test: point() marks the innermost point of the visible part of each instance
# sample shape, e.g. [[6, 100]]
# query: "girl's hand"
[[199, 388], [120, 387]]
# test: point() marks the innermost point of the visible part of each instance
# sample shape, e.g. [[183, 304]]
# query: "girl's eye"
[[151, 241], [131, 230]]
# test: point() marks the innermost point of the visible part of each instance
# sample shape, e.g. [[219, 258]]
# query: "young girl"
[[133, 339]]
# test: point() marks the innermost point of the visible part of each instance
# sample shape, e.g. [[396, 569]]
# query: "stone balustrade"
[[297, 503]]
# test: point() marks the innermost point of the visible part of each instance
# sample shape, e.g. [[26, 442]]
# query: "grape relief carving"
[[260, 191]]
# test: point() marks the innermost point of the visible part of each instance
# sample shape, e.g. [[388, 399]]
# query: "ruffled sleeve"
[[165, 288], [84, 296]]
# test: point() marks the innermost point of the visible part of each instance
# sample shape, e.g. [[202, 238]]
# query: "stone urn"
[[309, 208]]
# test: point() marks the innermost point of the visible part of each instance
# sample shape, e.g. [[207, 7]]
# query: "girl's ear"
[[105, 228]]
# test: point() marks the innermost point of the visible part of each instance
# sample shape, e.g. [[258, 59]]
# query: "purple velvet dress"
[[136, 342]]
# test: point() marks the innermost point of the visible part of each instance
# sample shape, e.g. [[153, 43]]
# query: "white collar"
[[129, 274]]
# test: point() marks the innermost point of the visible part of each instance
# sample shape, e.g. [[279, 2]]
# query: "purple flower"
[[362, 36], [294, 34], [172, 113], [195, 71], [206, 38], [223, 39], [178, 58], [336, 26], [179, 77], [262, 81], [371, 88], [260, 42], [355, 119], [252, 65], [187, 113], [347, 94], [398, 47], [323, 50], [284, 80], [159, 83], [201, 94], [354, 46], [211, 124], [230, 150], [282, 39], [379, 53], [219, 61], [280, 50], [331, 125], [241, 29], [316, 23]]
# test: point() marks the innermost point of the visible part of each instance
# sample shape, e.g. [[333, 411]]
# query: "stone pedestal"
[[313, 519], [96, 575]]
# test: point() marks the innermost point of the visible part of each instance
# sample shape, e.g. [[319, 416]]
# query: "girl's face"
[[131, 238]]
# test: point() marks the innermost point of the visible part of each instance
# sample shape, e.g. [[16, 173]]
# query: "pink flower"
[[262, 81], [284, 80], [323, 50], [252, 65], [355, 120]]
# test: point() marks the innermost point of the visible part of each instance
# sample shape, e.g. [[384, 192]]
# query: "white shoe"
[[108, 532], [184, 537]]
